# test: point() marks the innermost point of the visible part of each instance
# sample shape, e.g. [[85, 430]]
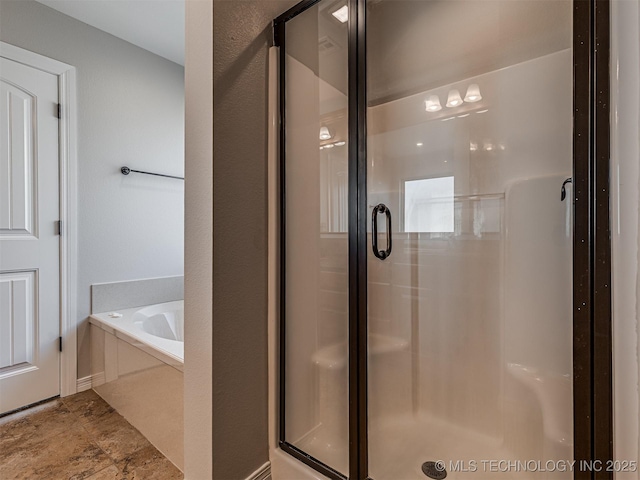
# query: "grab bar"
[[127, 171]]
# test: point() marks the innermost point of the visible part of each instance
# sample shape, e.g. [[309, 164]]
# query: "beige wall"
[[234, 306], [242, 36]]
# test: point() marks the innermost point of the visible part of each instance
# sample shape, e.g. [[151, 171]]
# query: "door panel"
[[17, 334], [29, 244], [17, 175]]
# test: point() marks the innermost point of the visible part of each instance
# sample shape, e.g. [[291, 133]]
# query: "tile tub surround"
[[106, 297], [142, 382], [78, 437]]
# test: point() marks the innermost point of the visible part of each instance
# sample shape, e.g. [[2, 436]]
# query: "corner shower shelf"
[[335, 356]]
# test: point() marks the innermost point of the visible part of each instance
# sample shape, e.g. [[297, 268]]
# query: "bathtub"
[[137, 360]]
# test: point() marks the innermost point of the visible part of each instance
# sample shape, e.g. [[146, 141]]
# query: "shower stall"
[[444, 293]]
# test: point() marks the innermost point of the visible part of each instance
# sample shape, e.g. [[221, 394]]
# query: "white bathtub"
[[137, 360], [164, 321], [155, 329]]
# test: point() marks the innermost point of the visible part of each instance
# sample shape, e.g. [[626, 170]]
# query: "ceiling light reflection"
[[454, 99], [342, 14], [325, 134], [473, 93], [433, 104]]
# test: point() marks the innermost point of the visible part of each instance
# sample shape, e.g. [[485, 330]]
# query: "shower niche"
[[427, 255]]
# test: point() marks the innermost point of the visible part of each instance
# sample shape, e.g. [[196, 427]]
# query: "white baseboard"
[[83, 384], [90, 381], [263, 473], [98, 379]]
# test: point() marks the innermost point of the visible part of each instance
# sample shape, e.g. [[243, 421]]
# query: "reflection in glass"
[[454, 99], [433, 104], [473, 93], [316, 275], [428, 205]]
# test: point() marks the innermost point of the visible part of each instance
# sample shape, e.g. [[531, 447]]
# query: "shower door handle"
[[380, 208]]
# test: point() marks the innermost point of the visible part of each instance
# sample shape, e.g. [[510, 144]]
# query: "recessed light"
[[483, 111], [330, 145], [419, 144], [465, 115], [342, 14], [340, 144]]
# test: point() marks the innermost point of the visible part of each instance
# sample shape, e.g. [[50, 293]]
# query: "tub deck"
[[168, 351]]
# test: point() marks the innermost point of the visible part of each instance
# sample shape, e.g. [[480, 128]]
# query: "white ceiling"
[[155, 25]]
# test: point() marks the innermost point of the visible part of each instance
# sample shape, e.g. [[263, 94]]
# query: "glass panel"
[[428, 205], [470, 318], [316, 305]]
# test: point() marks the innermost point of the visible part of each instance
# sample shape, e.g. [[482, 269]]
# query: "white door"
[[29, 241]]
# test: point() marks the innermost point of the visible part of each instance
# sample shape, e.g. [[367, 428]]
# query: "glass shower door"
[[469, 126], [314, 337]]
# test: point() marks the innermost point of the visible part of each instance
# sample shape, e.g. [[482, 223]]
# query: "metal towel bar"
[[127, 171]]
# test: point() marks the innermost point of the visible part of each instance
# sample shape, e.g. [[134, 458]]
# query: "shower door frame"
[[592, 315]]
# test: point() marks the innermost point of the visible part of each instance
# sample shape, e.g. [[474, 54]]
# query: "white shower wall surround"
[[478, 351], [473, 352]]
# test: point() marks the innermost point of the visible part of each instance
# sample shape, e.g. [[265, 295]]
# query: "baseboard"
[[98, 379], [90, 381], [263, 473], [83, 384]]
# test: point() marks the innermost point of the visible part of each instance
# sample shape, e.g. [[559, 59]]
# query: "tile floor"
[[78, 437]]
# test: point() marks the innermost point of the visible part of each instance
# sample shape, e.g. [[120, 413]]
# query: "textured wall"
[[242, 35], [130, 111]]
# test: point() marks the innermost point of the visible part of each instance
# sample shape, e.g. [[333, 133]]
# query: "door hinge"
[[60, 343], [59, 111], [58, 227]]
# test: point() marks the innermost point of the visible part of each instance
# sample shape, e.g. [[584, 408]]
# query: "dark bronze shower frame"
[[592, 319]]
